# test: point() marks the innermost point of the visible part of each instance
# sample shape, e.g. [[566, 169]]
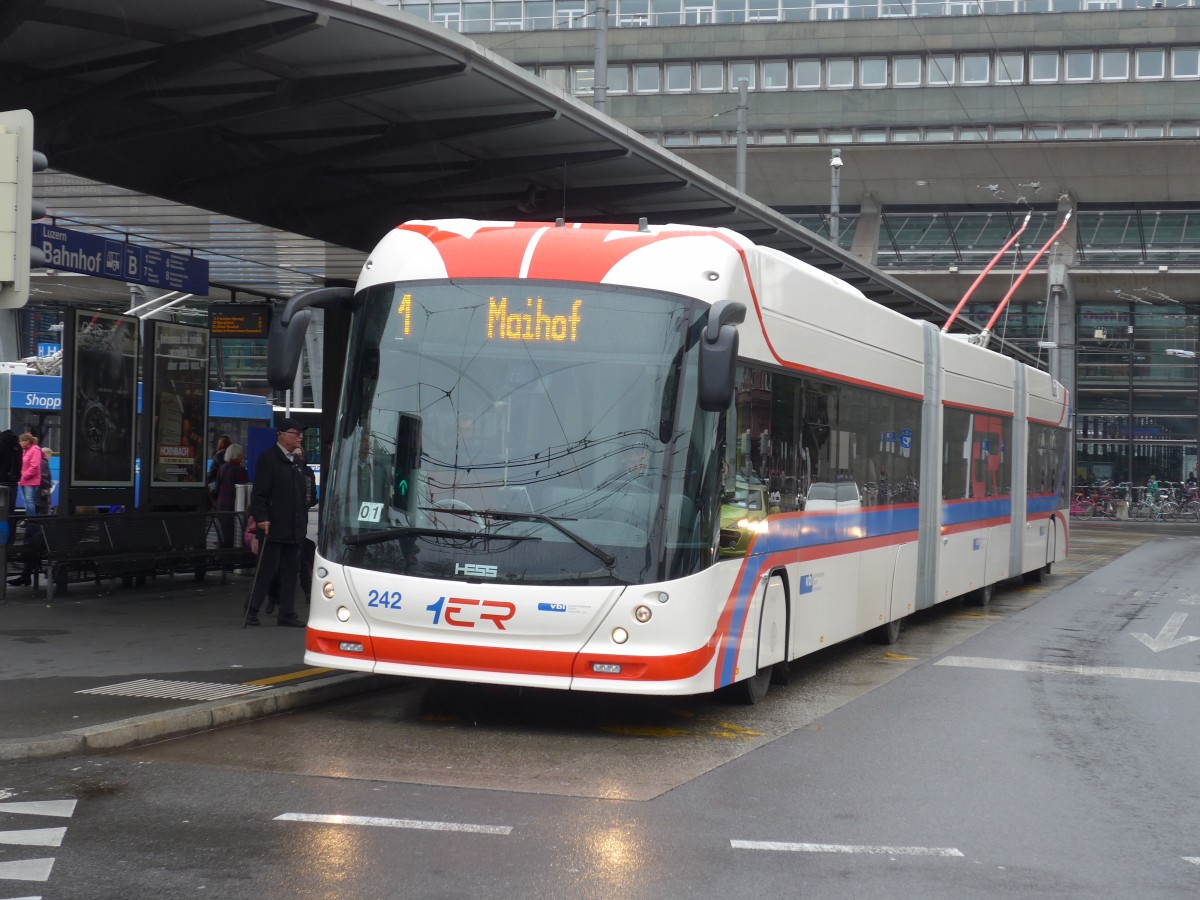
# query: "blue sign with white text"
[[91, 254]]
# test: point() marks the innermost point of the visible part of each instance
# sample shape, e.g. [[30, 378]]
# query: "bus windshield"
[[525, 432]]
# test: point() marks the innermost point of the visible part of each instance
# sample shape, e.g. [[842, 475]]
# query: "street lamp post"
[[835, 185]]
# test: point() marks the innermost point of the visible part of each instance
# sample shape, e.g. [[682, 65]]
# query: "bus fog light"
[[620, 635], [343, 614], [327, 590], [642, 613], [663, 597], [322, 572], [606, 668], [350, 647]]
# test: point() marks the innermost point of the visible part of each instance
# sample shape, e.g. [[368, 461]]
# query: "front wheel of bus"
[[752, 690]]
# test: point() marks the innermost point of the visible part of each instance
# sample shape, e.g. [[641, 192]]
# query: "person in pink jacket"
[[31, 471]]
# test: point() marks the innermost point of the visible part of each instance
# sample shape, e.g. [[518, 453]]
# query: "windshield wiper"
[[391, 534], [607, 558]]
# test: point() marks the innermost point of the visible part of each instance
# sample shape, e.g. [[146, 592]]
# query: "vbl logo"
[[806, 584], [463, 612]]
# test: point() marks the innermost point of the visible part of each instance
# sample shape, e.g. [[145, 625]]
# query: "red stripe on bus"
[[961, 527], [1002, 413], [514, 661]]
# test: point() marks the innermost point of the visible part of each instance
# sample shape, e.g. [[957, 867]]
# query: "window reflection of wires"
[[604, 449]]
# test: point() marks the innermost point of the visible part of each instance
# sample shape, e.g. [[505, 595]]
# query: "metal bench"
[[133, 546]]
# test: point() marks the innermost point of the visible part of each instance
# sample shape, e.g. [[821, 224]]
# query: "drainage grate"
[[174, 690]]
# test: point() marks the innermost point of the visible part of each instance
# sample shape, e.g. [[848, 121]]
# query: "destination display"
[[236, 320], [536, 320]]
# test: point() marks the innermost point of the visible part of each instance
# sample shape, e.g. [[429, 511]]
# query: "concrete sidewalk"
[[105, 667]]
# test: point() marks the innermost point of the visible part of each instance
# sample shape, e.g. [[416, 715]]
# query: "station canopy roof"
[[282, 138]]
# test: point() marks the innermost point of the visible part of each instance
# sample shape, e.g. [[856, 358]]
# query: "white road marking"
[[34, 837], [1020, 665], [26, 870], [394, 823], [1194, 860], [62, 809], [1166, 640], [38, 897], [844, 848]]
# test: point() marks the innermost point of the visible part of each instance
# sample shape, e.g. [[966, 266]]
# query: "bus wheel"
[[981, 596], [888, 634], [1035, 576], [752, 690]]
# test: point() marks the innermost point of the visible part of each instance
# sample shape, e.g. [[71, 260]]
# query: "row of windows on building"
[[1081, 131], [481, 16], [877, 72]]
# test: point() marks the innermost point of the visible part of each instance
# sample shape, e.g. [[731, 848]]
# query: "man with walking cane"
[[279, 504]]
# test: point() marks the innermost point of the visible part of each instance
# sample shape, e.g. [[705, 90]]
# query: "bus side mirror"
[[718, 355], [284, 343], [285, 339]]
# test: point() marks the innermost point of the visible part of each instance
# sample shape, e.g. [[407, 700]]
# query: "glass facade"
[[538, 15], [1135, 403]]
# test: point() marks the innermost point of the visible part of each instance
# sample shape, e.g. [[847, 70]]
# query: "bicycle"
[[1189, 505], [1082, 507], [1162, 507]]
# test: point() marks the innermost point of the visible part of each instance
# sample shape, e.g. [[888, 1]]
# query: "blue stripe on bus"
[[796, 532], [962, 512]]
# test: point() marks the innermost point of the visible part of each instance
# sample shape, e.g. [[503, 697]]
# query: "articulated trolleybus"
[[654, 460]]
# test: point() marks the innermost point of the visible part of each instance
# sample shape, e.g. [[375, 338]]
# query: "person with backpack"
[[231, 473], [45, 484], [218, 460]]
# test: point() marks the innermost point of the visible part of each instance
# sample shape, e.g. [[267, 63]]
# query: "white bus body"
[[437, 559]]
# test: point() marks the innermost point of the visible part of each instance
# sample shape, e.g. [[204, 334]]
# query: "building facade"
[[954, 122]]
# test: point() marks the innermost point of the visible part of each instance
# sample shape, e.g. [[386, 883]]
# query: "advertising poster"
[[104, 401], [180, 407]]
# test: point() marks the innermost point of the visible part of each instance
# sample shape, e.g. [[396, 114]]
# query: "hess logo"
[[475, 570]]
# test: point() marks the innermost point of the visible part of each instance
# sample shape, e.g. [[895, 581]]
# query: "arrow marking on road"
[[34, 837], [1166, 639]]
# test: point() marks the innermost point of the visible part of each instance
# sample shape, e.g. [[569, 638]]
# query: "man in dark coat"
[[279, 504], [10, 472]]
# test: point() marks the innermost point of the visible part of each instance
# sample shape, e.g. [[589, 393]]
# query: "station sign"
[[239, 320], [42, 392], [91, 254]]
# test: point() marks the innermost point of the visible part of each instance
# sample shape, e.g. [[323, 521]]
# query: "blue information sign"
[[91, 254]]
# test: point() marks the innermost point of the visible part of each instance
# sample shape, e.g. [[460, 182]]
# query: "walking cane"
[[254, 580]]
